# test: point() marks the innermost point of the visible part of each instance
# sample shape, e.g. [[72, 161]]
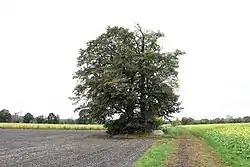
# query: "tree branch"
[[143, 38]]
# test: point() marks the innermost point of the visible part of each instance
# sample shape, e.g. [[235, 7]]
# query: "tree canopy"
[[125, 74], [53, 119], [5, 116], [28, 117], [41, 119], [85, 118]]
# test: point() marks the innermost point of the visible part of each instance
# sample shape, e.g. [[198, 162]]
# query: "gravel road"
[[60, 148]]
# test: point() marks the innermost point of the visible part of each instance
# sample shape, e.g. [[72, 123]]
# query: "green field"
[[231, 141], [51, 126]]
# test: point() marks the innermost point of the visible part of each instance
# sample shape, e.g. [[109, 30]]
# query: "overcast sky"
[[40, 40]]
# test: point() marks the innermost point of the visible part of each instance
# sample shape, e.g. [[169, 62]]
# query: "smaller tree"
[[204, 121], [191, 120], [187, 121], [40, 119], [216, 121], [246, 119], [53, 119], [5, 116], [229, 119], [28, 118], [57, 119], [68, 121], [237, 120]]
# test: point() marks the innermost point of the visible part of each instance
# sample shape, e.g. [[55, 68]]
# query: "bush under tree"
[[126, 81]]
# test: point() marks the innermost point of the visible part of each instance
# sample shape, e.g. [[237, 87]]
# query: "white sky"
[[39, 43]]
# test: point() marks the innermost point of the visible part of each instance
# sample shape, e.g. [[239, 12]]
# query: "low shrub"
[[125, 125]]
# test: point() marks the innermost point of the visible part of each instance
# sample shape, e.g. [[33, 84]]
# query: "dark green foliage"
[[125, 73], [246, 119], [5, 116], [187, 121], [217, 121], [53, 119], [123, 125], [204, 121], [57, 119], [67, 121], [41, 119], [228, 119], [28, 118], [85, 118]]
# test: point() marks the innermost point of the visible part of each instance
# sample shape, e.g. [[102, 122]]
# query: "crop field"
[[231, 141], [51, 126]]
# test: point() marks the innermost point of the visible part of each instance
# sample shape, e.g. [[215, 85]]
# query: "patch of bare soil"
[[190, 151], [64, 148]]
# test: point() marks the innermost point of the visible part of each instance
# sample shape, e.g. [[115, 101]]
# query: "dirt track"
[[190, 151], [50, 148]]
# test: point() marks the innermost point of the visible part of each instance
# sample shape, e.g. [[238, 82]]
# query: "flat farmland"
[[73, 148]]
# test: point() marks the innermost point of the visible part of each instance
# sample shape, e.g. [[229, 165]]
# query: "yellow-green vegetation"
[[231, 141], [156, 155], [51, 126]]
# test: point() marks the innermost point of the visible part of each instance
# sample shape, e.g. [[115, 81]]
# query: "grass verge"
[[50, 126], [156, 155]]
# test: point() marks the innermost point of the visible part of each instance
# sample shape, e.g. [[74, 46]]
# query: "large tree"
[[124, 73]]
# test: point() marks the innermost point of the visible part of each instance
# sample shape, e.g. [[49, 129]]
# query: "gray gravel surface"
[[61, 148]]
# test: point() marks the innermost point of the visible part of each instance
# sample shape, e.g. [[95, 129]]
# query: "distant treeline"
[[52, 118], [228, 119]]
